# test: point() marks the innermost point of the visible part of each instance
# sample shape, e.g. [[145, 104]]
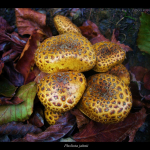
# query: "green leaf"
[[143, 40], [6, 88], [22, 111]]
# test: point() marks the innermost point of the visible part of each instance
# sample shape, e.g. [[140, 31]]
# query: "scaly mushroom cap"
[[64, 25], [66, 52], [121, 72], [61, 91], [51, 117], [106, 99], [108, 54]]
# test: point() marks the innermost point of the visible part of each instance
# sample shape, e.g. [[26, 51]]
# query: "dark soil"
[[107, 19]]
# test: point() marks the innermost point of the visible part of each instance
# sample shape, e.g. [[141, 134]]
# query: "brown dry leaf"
[[33, 74], [13, 75], [97, 132], [26, 60], [146, 80], [81, 119], [91, 31], [53, 133], [10, 101], [1, 66], [36, 119], [5, 26], [114, 40], [18, 128], [10, 55], [139, 72], [27, 20]]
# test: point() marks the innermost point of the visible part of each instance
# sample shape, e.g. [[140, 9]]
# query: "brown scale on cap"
[[51, 117], [121, 71], [61, 91], [64, 25], [106, 99], [66, 52], [108, 54]]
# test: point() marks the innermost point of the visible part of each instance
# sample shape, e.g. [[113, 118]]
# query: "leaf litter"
[[18, 101]]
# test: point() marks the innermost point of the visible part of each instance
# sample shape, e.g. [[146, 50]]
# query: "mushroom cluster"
[[104, 97]]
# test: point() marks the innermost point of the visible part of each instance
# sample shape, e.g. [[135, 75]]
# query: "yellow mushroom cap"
[[64, 25], [106, 99], [51, 116], [61, 91], [66, 52], [121, 71], [108, 54]]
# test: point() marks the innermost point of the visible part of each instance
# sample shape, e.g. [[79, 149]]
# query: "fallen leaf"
[[91, 32], [140, 120], [1, 66], [139, 72], [27, 20], [10, 55], [81, 119], [26, 60], [137, 97], [10, 101], [135, 90], [6, 87], [146, 80], [53, 133], [18, 128], [123, 46], [15, 77], [69, 139], [147, 97], [5, 101], [33, 74], [20, 112], [5, 26], [116, 33], [36, 119], [17, 43], [143, 34], [97, 132]]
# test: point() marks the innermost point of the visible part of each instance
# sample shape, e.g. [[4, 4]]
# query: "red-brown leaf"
[[139, 72], [26, 60], [36, 119], [5, 26], [18, 128], [15, 77], [125, 47], [53, 133], [81, 119], [10, 55], [97, 132], [10, 101], [33, 74], [1, 66], [91, 31], [27, 20], [146, 80]]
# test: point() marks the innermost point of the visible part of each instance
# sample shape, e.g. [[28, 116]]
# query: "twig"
[[119, 21]]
